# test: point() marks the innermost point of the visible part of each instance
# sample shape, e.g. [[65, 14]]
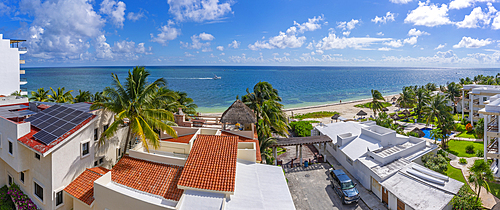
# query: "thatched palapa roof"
[[238, 112], [395, 117], [336, 116], [406, 112], [420, 132], [361, 113]]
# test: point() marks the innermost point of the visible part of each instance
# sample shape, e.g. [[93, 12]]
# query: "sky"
[[456, 33]]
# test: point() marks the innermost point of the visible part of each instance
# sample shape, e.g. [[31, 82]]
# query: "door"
[[385, 196], [401, 205]]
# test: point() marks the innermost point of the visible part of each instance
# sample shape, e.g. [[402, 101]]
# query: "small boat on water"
[[216, 77]]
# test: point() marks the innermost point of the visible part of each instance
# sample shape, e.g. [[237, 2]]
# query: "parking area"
[[311, 189]]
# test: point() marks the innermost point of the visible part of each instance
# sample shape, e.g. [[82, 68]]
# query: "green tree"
[[83, 96], [421, 98], [39, 95], [437, 111], [376, 104], [406, 98], [134, 103], [453, 93], [479, 128], [98, 97], [430, 87], [187, 104], [60, 96], [436, 134], [480, 175], [465, 199], [436, 163], [301, 128]]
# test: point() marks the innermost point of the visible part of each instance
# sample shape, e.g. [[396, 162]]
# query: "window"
[[101, 160], [105, 128], [11, 148], [96, 137], [349, 160], [22, 177], [485, 98], [85, 149], [37, 156], [95, 163], [118, 153], [10, 179], [38, 191], [59, 198]]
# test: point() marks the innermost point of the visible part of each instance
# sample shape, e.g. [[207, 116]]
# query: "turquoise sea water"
[[298, 86]]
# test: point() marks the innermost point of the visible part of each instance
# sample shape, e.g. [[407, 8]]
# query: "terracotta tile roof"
[[180, 139], [82, 187], [244, 139], [31, 142], [155, 178], [211, 164], [100, 170]]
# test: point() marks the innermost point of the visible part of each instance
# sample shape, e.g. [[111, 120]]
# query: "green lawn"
[[315, 115], [471, 135], [456, 174], [458, 147], [494, 189], [458, 116], [369, 105]]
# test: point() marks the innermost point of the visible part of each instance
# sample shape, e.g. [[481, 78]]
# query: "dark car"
[[343, 186]]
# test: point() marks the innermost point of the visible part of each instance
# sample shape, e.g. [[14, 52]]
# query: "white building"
[[474, 96], [386, 163], [10, 79], [490, 114], [43, 166]]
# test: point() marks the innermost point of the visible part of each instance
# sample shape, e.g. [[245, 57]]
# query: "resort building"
[[43, 148], [474, 97], [10, 72], [490, 114], [388, 164]]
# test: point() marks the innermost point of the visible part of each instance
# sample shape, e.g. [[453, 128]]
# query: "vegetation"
[[479, 128], [458, 148], [469, 127], [480, 175], [60, 96], [83, 96], [436, 163], [462, 161], [469, 149], [133, 103], [465, 199], [369, 105], [39, 95], [479, 153], [422, 99], [494, 189], [5, 200], [301, 128], [470, 135], [406, 98], [22, 201], [314, 115], [438, 110]]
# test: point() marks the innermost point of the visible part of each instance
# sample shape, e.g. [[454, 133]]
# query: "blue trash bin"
[[306, 164]]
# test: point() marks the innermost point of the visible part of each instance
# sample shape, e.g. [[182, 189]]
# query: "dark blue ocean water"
[[298, 86]]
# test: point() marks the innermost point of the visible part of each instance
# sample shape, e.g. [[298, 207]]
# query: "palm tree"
[[431, 87], [83, 96], [134, 103], [186, 103], [421, 98], [39, 95], [98, 97], [406, 98], [438, 111], [453, 91], [376, 104], [60, 96], [264, 144], [480, 174]]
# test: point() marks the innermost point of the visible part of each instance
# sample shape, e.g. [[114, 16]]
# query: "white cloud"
[[221, 48], [496, 22], [389, 17], [206, 37], [4, 9], [460, 4], [469, 42], [207, 49], [197, 44], [412, 40], [346, 33], [120, 50], [102, 48], [319, 52], [275, 54], [187, 54], [198, 10], [167, 33], [430, 15], [286, 54], [234, 44], [223, 54], [415, 32], [399, 43], [135, 16], [311, 25], [310, 46], [441, 46], [384, 49], [114, 10], [380, 33], [334, 42], [347, 25], [477, 16], [401, 1], [394, 43]]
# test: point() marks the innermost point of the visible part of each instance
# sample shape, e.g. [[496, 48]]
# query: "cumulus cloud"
[[347, 25], [198, 10], [441, 46], [120, 50], [394, 43], [460, 4], [411, 40], [234, 44], [311, 25], [469, 42], [380, 33], [401, 1], [399, 43], [167, 33], [4, 9], [206, 37], [430, 15], [415, 32], [135, 16], [287, 54], [187, 54], [197, 44], [221, 48], [496, 22], [476, 17], [384, 49], [334, 42], [389, 17], [114, 10], [346, 33]]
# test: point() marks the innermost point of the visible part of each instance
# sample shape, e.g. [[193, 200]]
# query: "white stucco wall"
[[9, 68]]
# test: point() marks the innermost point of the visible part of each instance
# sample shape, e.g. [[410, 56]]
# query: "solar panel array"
[[82, 106], [10, 111], [55, 121]]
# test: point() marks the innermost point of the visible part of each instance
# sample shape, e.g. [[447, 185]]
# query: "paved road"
[[311, 189]]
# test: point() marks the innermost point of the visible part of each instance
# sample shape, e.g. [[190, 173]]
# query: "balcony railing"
[[493, 146]]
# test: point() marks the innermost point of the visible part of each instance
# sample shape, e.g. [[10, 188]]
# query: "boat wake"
[[191, 78]]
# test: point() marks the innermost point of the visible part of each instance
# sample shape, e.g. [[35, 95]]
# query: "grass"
[[458, 116], [315, 115], [312, 121], [458, 147], [456, 174], [280, 150], [369, 105], [471, 135]]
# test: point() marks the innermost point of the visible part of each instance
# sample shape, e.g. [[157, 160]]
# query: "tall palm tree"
[[83, 96], [406, 98], [39, 95], [376, 104], [438, 111], [187, 104], [421, 98], [134, 103], [98, 97], [60, 96], [480, 174], [453, 91]]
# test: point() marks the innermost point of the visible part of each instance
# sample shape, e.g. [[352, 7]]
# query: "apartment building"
[[490, 114], [10, 62], [474, 98]]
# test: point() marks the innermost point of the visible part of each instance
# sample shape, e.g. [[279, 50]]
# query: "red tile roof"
[[244, 139], [211, 164], [181, 139], [100, 170], [31, 142], [155, 178], [82, 187]]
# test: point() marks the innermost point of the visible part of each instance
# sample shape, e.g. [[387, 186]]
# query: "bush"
[[465, 199], [436, 163], [23, 201], [468, 127], [5, 200], [444, 154], [462, 161], [479, 153], [414, 134], [460, 128], [469, 149], [301, 128]]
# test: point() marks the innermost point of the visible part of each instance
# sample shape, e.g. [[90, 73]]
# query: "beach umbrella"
[[361, 113], [335, 117], [394, 98], [385, 109], [395, 117], [406, 112], [420, 132]]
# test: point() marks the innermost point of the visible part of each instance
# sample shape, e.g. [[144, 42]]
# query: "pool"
[[427, 132]]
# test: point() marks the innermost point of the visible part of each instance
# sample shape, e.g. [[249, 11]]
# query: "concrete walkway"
[[367, 197], [488, 199]]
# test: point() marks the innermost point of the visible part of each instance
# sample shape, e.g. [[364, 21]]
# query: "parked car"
[[343, 186]]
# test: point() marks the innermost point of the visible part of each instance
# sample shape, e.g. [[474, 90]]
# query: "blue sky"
[[456, 33]]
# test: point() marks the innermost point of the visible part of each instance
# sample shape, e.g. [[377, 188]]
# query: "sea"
[[297, 86]]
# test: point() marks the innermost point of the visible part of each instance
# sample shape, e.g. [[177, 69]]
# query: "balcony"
[[23, 81], [22, 61], [24, 91], [22, 50], [22, 71]]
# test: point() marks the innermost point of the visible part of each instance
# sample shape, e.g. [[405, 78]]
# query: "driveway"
[[311, 189]]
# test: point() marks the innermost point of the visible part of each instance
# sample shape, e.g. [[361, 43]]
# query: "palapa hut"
[[361, 113], [335, 117], [420, 132], [395, 117], [406, 112], [240, 113]]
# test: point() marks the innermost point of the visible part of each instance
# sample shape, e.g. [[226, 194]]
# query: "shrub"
[[414, 134], [460, 128], [301, 128], [462, 161], [469, 149], [5, 200], [465, 199], [23, 201], [468, 127], [444, 154], [479, 153], [436, 163]]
